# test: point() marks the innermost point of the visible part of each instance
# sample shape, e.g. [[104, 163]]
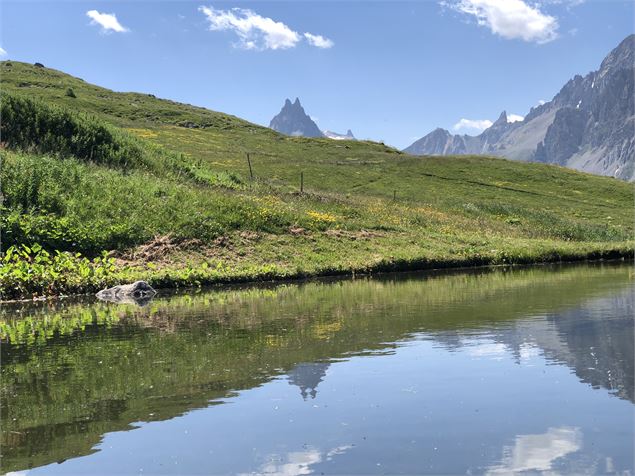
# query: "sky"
[[389, 70]]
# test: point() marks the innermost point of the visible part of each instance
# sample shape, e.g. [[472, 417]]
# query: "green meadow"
[[103, 187]]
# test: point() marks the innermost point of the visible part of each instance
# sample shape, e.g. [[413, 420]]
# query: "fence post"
[[301, 182], [251, 173]]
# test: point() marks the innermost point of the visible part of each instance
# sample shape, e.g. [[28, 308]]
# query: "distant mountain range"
[[589, 125], [292, 120], [336, 136]]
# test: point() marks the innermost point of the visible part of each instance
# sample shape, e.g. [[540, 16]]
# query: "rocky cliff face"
[[589, 125], [293, 121]]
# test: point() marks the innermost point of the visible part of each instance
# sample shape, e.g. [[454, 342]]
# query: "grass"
[[170, 197]]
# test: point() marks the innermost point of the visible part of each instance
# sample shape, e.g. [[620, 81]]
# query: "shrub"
[[34, 126], [32, 270]]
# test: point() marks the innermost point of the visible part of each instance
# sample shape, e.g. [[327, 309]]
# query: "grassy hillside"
[[167, 187]]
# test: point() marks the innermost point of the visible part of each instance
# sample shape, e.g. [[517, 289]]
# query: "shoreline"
[[198, 278]]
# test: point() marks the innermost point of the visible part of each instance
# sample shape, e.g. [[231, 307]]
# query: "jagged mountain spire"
[[294, 121]]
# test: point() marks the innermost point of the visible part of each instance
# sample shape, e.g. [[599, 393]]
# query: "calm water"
[[527, 370]]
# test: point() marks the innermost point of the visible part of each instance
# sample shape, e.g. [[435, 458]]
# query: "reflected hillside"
[[75, 371], [599, 349]]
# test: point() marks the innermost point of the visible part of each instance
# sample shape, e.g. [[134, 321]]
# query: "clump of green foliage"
[[36, 127], [32, 270]]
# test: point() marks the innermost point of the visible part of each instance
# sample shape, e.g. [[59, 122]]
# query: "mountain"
[[336, 136], [293, 121], [589, 125]]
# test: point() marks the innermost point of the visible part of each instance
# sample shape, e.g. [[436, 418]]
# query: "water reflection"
[[590, 339], [451, 372], [538, 452], [298, 462], [307, 377]]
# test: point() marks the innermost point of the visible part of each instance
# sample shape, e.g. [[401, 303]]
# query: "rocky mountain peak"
[[622, 57], [502, 119], [292, 120]]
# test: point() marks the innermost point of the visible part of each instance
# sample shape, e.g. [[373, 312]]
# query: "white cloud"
[[514, 118], [511, 19], [472, 124], [3, 52], [256, 32], [567, 3], [319, 41], [107, 21]]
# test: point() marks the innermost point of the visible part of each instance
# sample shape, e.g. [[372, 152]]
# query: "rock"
[[38, 65], [189, 124], [139, 292]]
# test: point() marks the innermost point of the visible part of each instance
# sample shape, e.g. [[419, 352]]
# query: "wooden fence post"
[[251, 173]]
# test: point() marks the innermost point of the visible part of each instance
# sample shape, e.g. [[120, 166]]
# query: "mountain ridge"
[[589, 125]]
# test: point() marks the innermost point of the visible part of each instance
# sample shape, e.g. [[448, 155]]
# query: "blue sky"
[[389, 71]]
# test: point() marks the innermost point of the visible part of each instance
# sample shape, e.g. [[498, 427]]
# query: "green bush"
[[30, 125]]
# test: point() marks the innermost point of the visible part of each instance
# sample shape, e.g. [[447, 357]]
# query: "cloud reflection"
[[299, 462], [538, 452]]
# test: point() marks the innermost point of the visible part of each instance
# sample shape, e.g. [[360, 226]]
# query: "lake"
[[488, 371]]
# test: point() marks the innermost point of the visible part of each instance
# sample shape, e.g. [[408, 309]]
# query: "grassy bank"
[[102, 187], [26, 273]]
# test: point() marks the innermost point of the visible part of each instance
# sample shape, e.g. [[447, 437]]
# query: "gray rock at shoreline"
[[139, 292]]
